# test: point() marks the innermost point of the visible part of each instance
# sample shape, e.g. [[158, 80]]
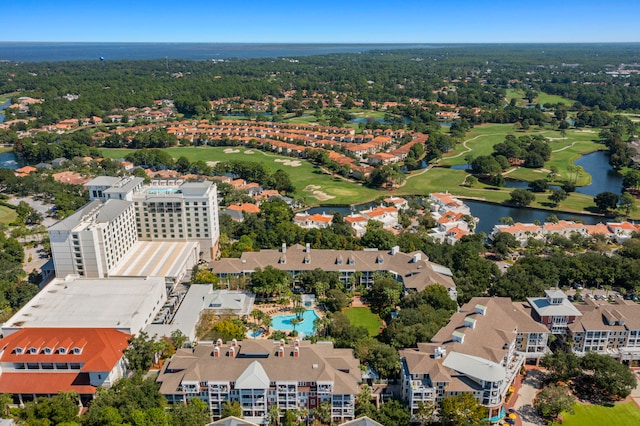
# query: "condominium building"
[[608, 329], [262, 373], [554, 310], [354, 267], [479, 351]]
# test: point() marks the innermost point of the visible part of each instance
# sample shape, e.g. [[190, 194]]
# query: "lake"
[[3, 107], [603, 177], [490, 214]]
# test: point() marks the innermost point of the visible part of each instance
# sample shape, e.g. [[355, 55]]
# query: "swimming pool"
[[305, 328], [156, 191]]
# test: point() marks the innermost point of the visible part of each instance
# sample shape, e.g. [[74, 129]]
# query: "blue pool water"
[[305, 328], [255, 334], [162, 191]]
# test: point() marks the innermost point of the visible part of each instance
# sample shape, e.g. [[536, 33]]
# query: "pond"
[[603, 177], [3, 107], [8, 161]]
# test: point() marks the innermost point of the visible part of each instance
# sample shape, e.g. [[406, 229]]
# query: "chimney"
[[395, 250], [216, 352], [296, 342], [284, 247], [417, 257], [308, 248], [296, 352], [219, 342], [282, 342], [280, 353], [234, 343], [232, 352]]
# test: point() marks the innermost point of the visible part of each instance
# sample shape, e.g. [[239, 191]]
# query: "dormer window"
[[33, 351], [19, 351], [62, 351], [47, 351], [77, 351]]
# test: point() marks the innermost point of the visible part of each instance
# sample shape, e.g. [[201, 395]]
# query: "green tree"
[[462, 410], [558, 195], [323, 412], [393, 413], [609, 375], [606, 201], [521, 197], [627, 203], [61, 408], [562, 366], [552, 400], [385, 294], [142, 351], [194, 413], [231, 408]]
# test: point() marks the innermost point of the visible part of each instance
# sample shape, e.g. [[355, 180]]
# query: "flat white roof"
[[155, 259], [474, 366], [120, 303]]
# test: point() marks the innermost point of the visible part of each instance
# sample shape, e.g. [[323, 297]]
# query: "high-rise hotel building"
[[123, 211]]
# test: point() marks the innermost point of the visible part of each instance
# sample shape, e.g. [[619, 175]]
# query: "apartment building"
[[354, 267], [479, 351], [262, 373], [608, 329]]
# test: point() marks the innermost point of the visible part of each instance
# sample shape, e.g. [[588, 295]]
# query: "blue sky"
[[325, 21]]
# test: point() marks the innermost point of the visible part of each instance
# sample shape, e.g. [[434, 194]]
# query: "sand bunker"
[[212, 163], [292, 163], [322, 196], [312, 187], [248, 151], [231, 151], [585, 131]]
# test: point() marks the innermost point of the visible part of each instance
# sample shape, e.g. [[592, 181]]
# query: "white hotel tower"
[[122, 211]]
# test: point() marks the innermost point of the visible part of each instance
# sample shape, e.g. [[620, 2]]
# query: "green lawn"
[[626, 414], [310, 182], [480, 141], [7, 215], [5, 97], [543, 98], [363, 317]]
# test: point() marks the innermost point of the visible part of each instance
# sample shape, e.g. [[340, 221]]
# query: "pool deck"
[[275, 309]]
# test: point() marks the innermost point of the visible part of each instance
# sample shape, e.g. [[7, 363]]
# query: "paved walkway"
[[522, 399]]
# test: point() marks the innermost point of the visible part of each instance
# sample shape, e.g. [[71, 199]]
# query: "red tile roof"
[[31, 382], [101, 347], [246, 207]]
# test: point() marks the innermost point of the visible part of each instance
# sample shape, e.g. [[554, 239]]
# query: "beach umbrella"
[[512, 416], [511, 410], [511, 421]]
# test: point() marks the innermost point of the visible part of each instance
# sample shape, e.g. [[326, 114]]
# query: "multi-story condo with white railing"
[[260, 374], [479, 351]]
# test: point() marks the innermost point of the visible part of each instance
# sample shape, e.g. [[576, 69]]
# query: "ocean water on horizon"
[[55, 52]]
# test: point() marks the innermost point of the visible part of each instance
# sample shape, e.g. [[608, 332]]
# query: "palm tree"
[[274, 415], [267, 321], [295, 322], [299, 311]]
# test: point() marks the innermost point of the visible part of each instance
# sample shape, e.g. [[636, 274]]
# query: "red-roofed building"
[[45, 361], [24, 171], [316, 221]]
